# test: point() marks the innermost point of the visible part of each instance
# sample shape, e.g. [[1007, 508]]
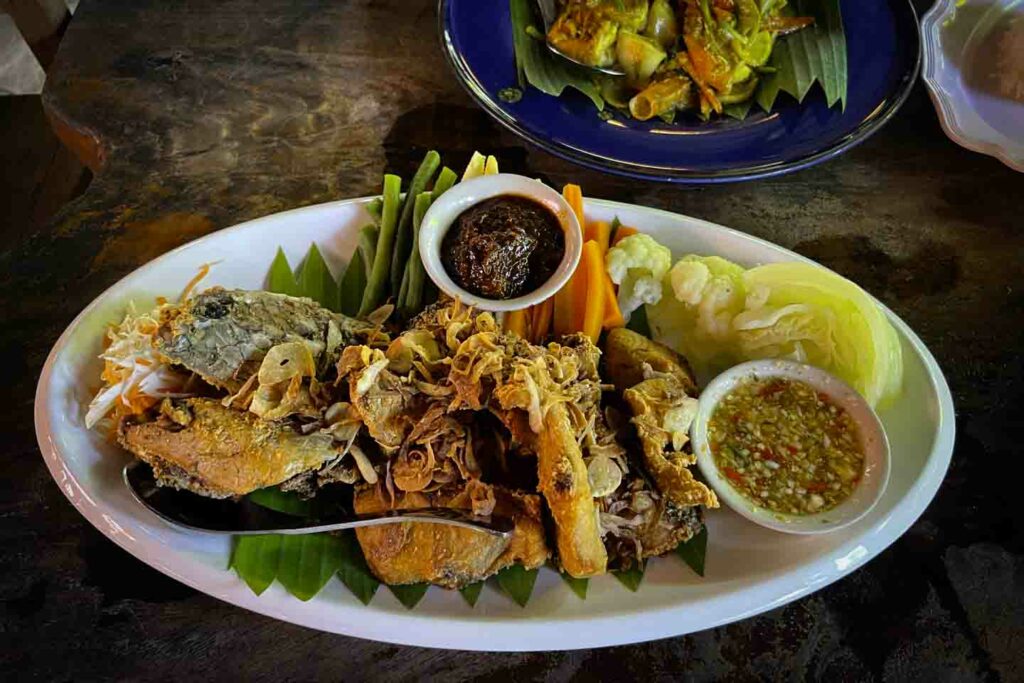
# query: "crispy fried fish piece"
[[626, 352], [564, 483], [656, 405], [198, 445], [224, 334], [542, 386], [658, 386], [449, 556]]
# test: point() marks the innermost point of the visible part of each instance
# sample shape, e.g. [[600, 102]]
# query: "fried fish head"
[[223, 334]]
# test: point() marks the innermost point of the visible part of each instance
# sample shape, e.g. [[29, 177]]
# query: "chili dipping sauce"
[[503, 247], [786, 446]]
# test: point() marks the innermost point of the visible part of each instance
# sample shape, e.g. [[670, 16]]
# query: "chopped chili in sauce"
[[785, 446]]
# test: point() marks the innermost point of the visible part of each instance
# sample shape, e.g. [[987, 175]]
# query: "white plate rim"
[[509, 634]]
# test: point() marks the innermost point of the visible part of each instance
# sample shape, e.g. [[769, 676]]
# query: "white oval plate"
[[749, 569], [960, 46]]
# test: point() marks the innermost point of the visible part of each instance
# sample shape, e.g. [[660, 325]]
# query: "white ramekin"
[[872, 437], [446, 209]]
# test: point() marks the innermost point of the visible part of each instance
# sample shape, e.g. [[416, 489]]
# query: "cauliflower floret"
[[688, 279], [637, 264]]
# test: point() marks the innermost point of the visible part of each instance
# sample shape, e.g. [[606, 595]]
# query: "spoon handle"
[[189, 511], [495, 526]]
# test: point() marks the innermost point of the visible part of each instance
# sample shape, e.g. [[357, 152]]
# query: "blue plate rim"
[[676, 175]]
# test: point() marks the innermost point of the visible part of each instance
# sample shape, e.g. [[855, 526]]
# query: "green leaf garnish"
[[255, 559], [354, 572], [517, 582], [694, 551], [738, 110], [315, 280], [282, 501], [281, 279], [541, 68], [578, 586], [308, 562], [410, 594], [352, 285], [631, 578], [471, 593], [813, 54]]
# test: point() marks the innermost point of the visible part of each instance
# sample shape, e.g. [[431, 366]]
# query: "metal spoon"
[[548, 14], [193, 512]]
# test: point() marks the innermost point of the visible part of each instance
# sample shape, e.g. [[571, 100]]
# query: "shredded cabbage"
[[720, 314], [135, 376]]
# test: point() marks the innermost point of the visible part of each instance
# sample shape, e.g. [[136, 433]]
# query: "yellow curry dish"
[[676, 55]]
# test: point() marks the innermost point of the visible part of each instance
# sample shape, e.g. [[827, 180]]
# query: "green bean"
[[403, 292], [367, 246], [444, 182], [430, 293], [416, 273], [403, 236], [377, 284]]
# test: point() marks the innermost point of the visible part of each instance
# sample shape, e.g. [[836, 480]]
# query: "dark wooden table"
[[198, 115]]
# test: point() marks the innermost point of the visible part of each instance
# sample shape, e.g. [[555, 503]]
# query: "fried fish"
[[450, 556], [198, 445], [223, 334], [659, 389]]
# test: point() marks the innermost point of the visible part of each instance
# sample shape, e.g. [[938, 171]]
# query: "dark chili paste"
[[503, 247]]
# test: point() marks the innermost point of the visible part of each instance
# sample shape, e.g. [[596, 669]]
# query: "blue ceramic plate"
[[883, 51]]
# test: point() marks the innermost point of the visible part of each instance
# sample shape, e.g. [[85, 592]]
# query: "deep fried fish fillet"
[[543, 386], [653, 402], [199, 445], [626, 352], [449, 556], [564, 483], [223, 335]]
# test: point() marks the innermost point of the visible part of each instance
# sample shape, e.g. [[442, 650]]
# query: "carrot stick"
[[600, 232], [593, 303], [515, 321], [612, 314], [574, 195], [567, 319], [543, 322], [622, 233]]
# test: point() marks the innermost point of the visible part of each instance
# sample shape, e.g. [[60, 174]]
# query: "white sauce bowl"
[[462, 196], [872, 437]]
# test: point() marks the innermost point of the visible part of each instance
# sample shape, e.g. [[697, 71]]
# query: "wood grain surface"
[[195, 116]]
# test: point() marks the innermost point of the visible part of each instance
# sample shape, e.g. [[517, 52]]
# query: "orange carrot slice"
[[567, 316], [622, 233], [515, 321], [600, 232], [592, 303], [542, 325], [574, 195], [612, 314]]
